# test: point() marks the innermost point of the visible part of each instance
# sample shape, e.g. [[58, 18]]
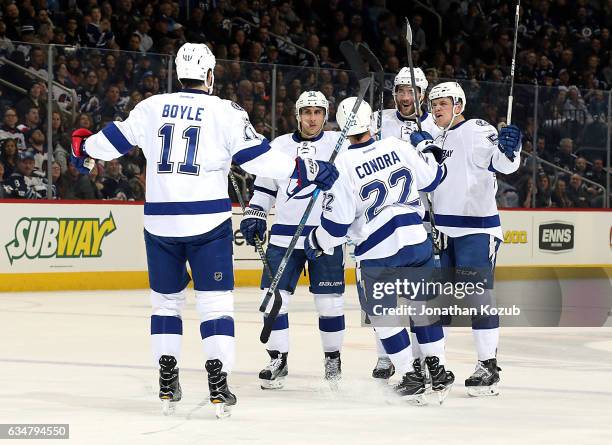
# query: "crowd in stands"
[[115, 53]]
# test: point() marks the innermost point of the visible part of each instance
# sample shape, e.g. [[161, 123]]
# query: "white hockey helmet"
[[362, 120], [448, 89], [194, 61], [404, 78], [311, 99]]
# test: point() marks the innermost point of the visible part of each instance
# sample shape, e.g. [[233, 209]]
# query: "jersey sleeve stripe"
[[258, 188], [476, 222], [386, 230], [333, 228], [431, 187], [250, 153], [289, 229], [188, 207], [116, 138]]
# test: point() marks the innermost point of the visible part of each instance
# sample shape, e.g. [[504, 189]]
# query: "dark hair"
[[191, 83]]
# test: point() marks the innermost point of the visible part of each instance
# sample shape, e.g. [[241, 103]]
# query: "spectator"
[[74, 185], [577, 192], [32, 120], [36, 145], [95, 179], [116, 185], [544, 192], [580, 166], [99, 34], [597, 173], [559, 197], [34, 99], [25, 182], [9, 128], [564, 156], [527, 192], [9, 156]]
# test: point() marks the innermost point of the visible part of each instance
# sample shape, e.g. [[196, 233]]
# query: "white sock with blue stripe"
[[431, 341], [331, 320], [166, 324], [216, 309], [279, 337], [396, 342], [486, 342]]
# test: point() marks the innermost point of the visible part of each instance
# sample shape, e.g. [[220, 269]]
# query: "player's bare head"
[[195, 66], [311, 112], [403, 93], [446, 103], [360, 126]]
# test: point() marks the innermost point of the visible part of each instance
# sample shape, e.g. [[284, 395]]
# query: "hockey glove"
[[253, 224], [509, 142], [416, 137], [321, 173], [312, 250], [79, 158]]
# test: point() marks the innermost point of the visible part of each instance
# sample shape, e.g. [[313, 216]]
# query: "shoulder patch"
[[237, 107], [482, 123], [492, 138]]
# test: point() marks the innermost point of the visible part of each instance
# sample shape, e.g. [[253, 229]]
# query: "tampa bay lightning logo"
[[292, 190]]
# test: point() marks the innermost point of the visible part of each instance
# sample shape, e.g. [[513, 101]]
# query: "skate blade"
[[482, 391], [168, 407], [222, 409], [334, 384], [442, 393], [277, 383], [415, 400]]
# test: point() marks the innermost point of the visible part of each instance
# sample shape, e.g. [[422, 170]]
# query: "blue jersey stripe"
[[333, 228], [431, 187], [188, 207], [258, 188], [386, 230], [474, 222], [116, 138], [250, 153], [289, 229]]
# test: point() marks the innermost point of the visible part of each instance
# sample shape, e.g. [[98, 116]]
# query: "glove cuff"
[[255, 213]]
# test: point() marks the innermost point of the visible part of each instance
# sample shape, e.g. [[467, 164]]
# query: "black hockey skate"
[[384, 369], [412, 388], [441, 379], [273, 375], [333, 369], [169, 386], [220, 395], [484, 380], [419, 366]]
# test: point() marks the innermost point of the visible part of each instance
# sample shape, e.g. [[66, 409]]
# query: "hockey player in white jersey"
[[189, 139], [400, 122], [375, 203], [326, 273], [465, 210]]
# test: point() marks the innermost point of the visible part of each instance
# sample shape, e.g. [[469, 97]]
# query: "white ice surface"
[[83, 358]]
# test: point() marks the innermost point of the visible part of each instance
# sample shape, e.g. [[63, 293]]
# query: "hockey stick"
[[511, 95], [417, 110], [375, 65], [364, 84], [278, 300]]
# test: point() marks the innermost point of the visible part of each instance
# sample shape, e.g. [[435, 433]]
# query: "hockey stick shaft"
[[511, 95], [363, 88], [417, 102], [278, 300], [380, 78]]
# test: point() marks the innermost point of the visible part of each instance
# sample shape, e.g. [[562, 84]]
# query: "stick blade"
[[353, 58], [408, 32]]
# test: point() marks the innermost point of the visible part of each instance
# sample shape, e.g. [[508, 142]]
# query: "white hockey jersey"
[[464, 202], [189, 140], [290, 206], [375, 201], [394, 125]]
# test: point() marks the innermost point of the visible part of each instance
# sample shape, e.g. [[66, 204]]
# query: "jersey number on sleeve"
[[380, 188], [188, 166]]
